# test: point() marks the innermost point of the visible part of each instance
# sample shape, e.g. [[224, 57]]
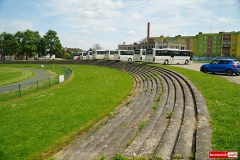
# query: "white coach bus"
[[83, 55], [89, 55], [109, 54], [124, 55], [168, 56], [139, 55], [98, 54]]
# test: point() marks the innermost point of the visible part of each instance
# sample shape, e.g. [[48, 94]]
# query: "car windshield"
[[214, 62]]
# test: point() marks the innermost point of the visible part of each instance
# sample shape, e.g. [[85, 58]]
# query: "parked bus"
[[98, 54], [124, 55], [75, 56], [83, 55], [168, 56], [139, 55], [117, 55], [109, 54], [89, 55]]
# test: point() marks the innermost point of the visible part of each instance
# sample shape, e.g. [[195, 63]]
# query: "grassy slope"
[[39, 122], [222, 98], [11, 75]]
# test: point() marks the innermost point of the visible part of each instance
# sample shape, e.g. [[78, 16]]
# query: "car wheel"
[[205, 70], [165, 62], [229, 72]]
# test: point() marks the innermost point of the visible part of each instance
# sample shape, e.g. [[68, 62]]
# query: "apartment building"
[[208, 44]]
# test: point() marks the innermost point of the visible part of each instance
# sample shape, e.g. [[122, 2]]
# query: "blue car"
[[228, 66]]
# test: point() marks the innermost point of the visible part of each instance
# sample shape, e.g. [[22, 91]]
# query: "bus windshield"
[[149, 51]]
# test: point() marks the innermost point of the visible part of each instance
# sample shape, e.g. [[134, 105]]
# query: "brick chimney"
[[148, 30]]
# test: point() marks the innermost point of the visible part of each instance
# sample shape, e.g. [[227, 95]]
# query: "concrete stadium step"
[[181, 135], [104, 144]]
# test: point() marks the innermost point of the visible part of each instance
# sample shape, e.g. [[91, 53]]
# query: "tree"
[[53, 43], [1, 45], [8, 44], [142, 41], [42, 47], [96, 47], [18, 36], [29, 43]]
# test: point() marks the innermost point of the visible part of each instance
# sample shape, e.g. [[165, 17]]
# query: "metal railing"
[[206, 58], [27, 87]]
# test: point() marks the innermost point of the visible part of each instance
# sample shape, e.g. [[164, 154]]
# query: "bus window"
[[100, 52], [137, 52]]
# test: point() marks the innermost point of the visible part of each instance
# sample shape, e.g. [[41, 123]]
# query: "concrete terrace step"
[[181, 134]]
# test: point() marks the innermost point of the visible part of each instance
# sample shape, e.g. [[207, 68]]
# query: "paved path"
[[196, 67], [175, 124]]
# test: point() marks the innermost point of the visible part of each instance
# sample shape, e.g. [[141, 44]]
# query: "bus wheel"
[[186, 62], [129, 59], [165, 62]]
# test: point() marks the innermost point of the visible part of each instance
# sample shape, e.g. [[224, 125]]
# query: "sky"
[[84, 23]]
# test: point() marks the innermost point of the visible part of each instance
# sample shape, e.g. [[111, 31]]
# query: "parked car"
[[228, 66]]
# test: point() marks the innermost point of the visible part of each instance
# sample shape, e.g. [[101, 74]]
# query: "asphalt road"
[[196, 67]]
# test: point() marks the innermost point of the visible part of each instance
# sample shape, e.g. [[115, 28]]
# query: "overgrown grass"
[[39, 124], [121, 157], [222, 99], [9, 75], [169, 114]]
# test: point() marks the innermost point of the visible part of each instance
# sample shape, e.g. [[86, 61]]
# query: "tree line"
[[25, 44]]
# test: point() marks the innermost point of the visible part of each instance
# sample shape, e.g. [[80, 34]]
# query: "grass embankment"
[[37, 125], [222, 99], [10, 75]]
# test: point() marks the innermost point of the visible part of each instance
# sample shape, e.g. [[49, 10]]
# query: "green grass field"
[[222, 99], [35, 126], [10, 75]]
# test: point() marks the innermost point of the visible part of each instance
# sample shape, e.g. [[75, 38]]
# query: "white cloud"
[[111, 29], [14, 26], [84, 9], [85, 31], [136, 16], [131, 33], [223, 20]]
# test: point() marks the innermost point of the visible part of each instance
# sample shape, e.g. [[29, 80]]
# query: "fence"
[[24, 88]]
